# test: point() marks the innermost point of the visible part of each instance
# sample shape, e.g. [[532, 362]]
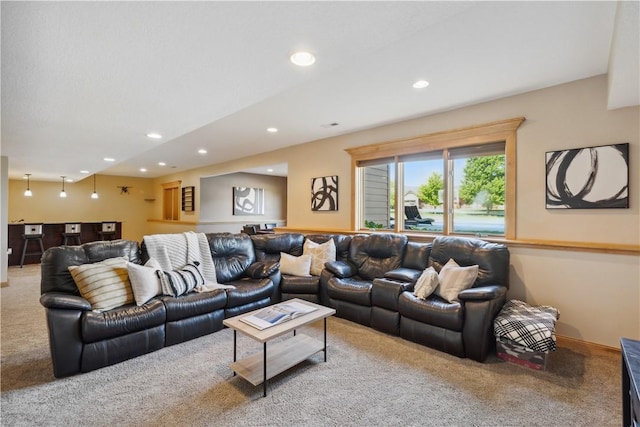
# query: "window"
[[171, 201], [478, 180], [453, 182], [422, 189], [379, 201]]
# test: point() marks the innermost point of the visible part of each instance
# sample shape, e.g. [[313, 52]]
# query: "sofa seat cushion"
[[432, 311], [351, 289], [194, 304], [247, 291], [299, 285], [121, 321]]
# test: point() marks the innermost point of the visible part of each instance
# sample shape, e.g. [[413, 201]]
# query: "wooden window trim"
[[502, 130]]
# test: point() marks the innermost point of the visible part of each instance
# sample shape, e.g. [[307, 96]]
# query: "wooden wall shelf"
[[188, 199]]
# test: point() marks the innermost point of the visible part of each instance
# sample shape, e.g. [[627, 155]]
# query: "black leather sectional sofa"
[[371, 282]]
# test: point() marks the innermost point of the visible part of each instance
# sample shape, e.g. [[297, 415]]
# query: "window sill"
[[609, 248]]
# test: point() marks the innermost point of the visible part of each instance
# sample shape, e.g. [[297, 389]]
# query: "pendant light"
[[63, 193], [94, 195], [28, 192]]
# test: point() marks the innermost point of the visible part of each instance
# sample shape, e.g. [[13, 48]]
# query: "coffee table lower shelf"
[[280, 356]]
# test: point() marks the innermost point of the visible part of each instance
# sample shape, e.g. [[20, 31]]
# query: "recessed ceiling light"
[[109, 159], [269, 170], [162, 164], [303, 59], [154, 135], [421, 84], [272, 130], [83, 171], [143, 169], [202, 151]]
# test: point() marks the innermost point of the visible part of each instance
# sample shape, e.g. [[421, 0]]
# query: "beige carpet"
[[370, 379]]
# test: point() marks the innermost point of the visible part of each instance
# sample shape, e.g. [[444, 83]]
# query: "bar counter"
[[52, 237]]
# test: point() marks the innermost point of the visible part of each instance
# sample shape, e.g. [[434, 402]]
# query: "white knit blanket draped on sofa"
[[174, 251]]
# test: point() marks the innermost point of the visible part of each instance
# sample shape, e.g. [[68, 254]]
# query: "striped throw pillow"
[[104, 284], [180, 282]]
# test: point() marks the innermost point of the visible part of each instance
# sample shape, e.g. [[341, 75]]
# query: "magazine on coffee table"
[[276, 314]]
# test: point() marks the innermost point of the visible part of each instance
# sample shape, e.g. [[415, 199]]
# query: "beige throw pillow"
[[454, 279], [104, 284], [295, 265], [426, 283], [145, 281], [320, 253]]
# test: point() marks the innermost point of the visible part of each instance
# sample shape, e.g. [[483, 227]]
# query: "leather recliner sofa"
[[375, 286], [348, 283], [463, 328], [268, 248], [371, 283], [82, 340]]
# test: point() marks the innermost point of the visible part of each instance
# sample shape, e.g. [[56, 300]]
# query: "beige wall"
[[598, 294], [46, 206]]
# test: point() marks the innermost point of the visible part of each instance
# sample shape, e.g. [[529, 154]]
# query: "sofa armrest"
[[481, 305], [483, 293], [64, 301], [341, 269], [403, 274], [262, 269]]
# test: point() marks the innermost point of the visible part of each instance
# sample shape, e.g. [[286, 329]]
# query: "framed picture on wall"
[[588, 178], [248, 201], [324, 193]]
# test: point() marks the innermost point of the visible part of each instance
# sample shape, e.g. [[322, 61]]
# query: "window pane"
[[479, 195], [378, 206], [423, 190]]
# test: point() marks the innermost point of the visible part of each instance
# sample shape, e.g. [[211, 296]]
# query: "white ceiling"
[[86, 80]]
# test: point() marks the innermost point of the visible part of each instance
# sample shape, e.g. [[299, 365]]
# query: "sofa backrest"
[[232, 254], [376, 254], [268, 246], [492, 258], [416, 255], [55, 276], [342, 242]]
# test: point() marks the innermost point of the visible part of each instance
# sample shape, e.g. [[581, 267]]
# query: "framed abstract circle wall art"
[[588, 178], [248, 201], [324, 193]]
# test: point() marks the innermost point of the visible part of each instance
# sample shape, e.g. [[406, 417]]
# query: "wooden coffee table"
[[282, 355]]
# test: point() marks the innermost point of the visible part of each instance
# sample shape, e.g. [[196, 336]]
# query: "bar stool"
[[32, 233], [72, 231], [108, 231]]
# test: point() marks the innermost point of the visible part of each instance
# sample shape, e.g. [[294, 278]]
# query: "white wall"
[[216, 198]]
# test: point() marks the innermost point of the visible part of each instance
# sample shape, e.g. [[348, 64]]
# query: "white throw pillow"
[[145, 281], [295, 265], [426, 283], [320, 253], [454, 279], [104, 284]]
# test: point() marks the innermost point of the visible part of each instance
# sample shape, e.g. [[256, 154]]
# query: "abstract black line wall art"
[[588, 178], [248, 201], [324, 193]]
